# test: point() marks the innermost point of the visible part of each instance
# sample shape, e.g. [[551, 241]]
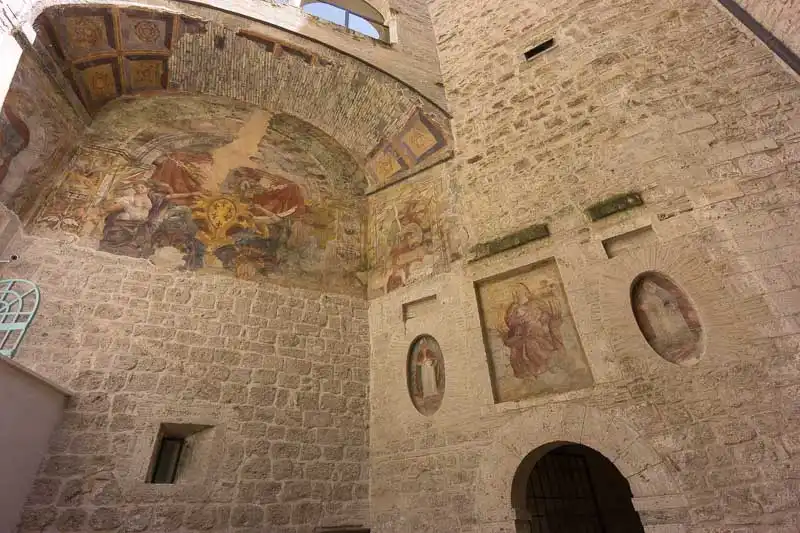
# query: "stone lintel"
[[613, 205], [514, 240]]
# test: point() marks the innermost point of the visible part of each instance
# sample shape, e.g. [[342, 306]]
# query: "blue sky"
[[336, 15]]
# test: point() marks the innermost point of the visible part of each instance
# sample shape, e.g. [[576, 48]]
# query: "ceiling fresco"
[[105, 52]]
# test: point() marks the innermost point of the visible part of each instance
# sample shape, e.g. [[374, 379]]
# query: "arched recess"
[[106, 51], [193, 183], [529, 436]]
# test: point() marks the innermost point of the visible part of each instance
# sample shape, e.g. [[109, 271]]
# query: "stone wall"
[[209, 185], [280, 375], [781, 17], [669, 100]]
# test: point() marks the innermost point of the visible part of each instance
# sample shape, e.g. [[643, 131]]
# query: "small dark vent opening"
[[540, 49]]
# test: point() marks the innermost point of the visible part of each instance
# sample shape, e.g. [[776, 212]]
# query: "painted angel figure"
[[531, 329]]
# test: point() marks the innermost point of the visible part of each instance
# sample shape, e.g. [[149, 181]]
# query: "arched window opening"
[[573, 489], [352, 14]]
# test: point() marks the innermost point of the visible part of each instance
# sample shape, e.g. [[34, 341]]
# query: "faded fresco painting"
[[193, 184], [426, 378], [667, 319], [38, 129], [533, 345], [418, 142], [406, 241]]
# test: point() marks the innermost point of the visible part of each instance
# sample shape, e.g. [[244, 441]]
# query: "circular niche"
[[667, 319], [425, 371]]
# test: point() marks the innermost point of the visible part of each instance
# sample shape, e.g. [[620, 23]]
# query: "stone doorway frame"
[[529, 435]]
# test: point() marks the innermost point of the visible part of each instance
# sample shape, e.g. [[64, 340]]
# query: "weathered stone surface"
[[105, 518], [72, 520], [90, 477], [780, 18]]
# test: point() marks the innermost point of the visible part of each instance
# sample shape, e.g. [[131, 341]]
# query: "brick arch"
[[652, 479], [366, 111]]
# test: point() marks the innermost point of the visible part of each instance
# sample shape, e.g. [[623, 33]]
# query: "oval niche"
[[667, 319], [425, 370]]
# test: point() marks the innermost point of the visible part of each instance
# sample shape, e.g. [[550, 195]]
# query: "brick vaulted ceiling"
[[107, 51]]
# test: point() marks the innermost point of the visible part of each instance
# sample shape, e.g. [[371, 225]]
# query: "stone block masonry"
[[670, 99], [280, 374]]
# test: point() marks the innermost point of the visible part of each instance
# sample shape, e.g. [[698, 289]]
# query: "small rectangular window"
[[540, 49], [167, 459]]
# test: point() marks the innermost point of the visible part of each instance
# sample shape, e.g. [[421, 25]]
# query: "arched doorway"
[[571, 488]]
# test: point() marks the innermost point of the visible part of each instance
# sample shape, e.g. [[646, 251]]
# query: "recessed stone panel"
[[420, 138], [419, 143], [90, 33], [99, 81], [620, 244], [386, 164]]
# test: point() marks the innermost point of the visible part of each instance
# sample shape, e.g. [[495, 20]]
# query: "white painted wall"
[[30, 409], [10, 53]]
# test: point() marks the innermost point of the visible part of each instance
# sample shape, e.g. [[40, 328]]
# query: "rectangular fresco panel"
[[533, 345], [405, 236]]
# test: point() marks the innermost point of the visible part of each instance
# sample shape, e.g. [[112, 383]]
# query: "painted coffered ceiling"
[[107, 52]]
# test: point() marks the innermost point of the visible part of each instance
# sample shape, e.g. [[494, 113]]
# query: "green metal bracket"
[[19, 302]]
